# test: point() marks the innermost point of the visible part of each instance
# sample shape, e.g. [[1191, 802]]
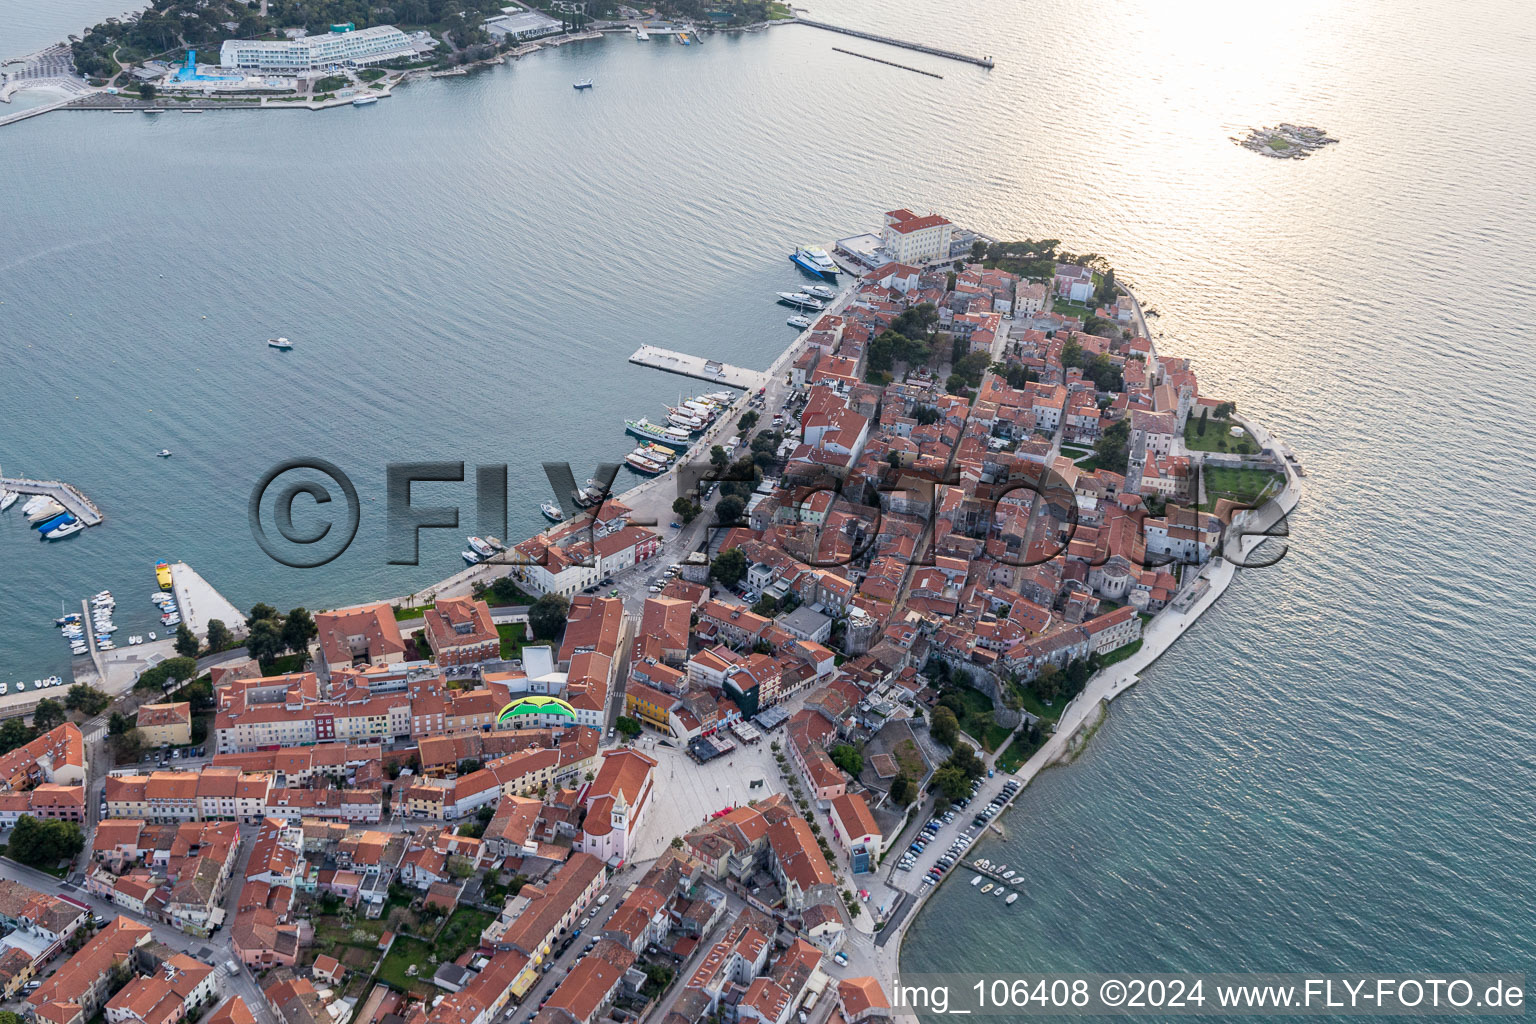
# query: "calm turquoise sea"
[[1334, 770]]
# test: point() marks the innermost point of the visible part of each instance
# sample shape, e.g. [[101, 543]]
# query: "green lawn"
[[460, 932], [1241, 485], [411, 613], [976, 721], [1034, 706], [403, 953], [1119, 654], [514, 635], [1019, 751], [1217, 437], [1076, 309]]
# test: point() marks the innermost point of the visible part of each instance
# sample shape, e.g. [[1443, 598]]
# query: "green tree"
[[265, 640], [686, 508], [719, 458], [147, 90], [747, 422], [729, 567], [677, 842], [902, 790], [15, 732], [469, 765], [978, 251], [728, 510], [546, 616], [1224, 410], [118, 724], [86, 699], [186, 643], [944, 726], [847, 757], [1113, 447], [952, 783], [49, 714], [298, 630], [219, 636], [628, 726], [504, 590], [42, 844], [261, 611]]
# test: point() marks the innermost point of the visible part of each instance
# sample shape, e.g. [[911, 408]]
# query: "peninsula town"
[[697, 752]]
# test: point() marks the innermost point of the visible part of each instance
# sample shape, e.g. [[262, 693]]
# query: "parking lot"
[[929, 852]]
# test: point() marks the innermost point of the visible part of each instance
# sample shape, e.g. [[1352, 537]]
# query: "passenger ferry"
[[641, 463], [645, 430], [816, 261]]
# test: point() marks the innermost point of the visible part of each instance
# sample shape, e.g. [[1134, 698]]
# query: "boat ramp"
[[698, 367], [76, 503]]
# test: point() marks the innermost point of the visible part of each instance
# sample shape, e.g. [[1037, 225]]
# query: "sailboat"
[[7, 499]]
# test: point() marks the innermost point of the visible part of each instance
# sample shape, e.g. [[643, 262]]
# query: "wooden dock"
[[933, 51], [699, 368], [1013, 884], [78, 505]]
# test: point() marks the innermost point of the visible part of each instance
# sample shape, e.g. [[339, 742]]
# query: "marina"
[[68, 496]]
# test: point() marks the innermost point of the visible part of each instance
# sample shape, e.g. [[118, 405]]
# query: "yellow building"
[[161, 724]]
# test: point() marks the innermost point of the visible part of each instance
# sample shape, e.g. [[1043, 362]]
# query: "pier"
[[699, 368], [933, 51], [199, 603], [77, 504]]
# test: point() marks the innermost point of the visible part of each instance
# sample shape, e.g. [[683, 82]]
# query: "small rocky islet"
[[1285, 141]]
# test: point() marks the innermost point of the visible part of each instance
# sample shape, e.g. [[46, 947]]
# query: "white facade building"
[[909, 238], [355, 47]]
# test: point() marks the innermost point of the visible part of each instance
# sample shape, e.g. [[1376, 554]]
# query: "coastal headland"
[[897, 573]]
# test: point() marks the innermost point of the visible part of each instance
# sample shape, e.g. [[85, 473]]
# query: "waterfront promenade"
[[1083, 713]]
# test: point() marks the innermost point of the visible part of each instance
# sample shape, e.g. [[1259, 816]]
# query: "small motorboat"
[[66, 620], [976, 880], [52, 681], [151, 634], [20, 685], [280, 343], [7, 499], [585, 83], [799, 322], [1000, 891], [551, 511], [161, 597], [987, 887], [820, 291], [60, 532], [470, 558], [1011, 897], [163, 453]]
